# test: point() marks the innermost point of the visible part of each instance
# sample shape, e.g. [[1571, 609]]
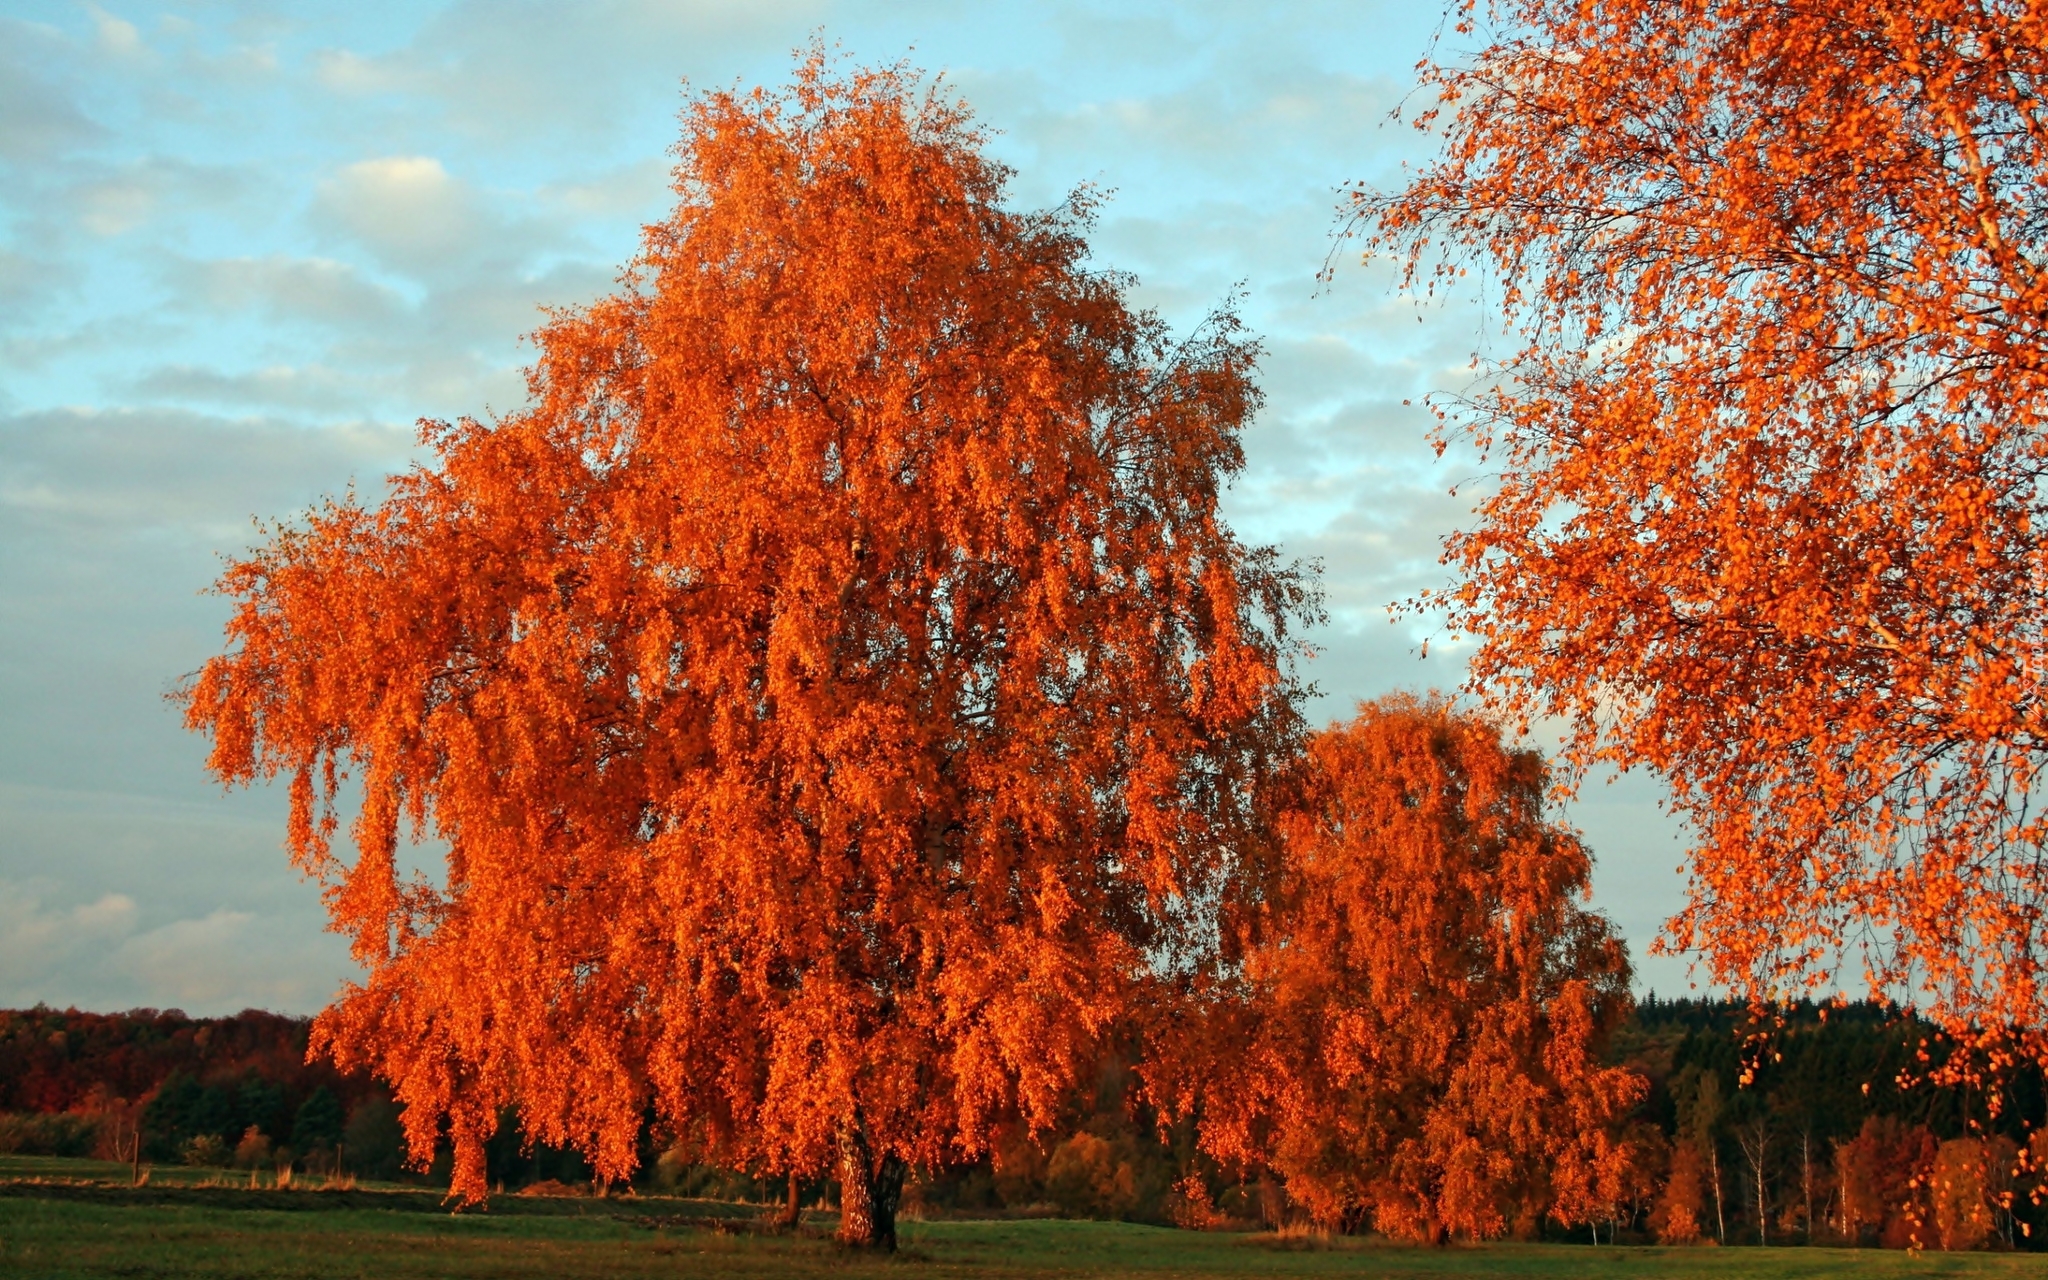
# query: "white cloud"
[[352, 73], [88, 479], [115, 206], [218, 961], [116, 37], [36, 940], [118, 198], [26, 283], [279, 386], [407, 211], [527, 71], [283, 287], [39, 116], [110, 899], [1233, 125], [95, 955], [638, 189]]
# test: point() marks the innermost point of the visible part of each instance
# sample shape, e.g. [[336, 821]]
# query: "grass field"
[[175, 1227]]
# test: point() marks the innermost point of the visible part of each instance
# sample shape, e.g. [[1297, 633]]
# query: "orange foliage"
[[1414, 1036], [1683, 1203], [1884, 1173], [1769, 505], [834, 688], [1970, 1183]]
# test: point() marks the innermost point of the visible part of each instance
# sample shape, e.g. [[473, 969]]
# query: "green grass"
[[77, 1228]]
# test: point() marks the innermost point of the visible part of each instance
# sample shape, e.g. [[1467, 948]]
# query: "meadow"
[[78, 1218]]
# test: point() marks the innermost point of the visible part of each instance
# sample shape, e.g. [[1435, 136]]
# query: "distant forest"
[[1836, 1136]]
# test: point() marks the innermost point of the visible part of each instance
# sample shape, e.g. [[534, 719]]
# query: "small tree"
[[1700, 1108], [1754, 1136], [837, 689], [317, 1125], [1682, 1202], [1884, 1173], [1961, 1188], [253, 1150], [374, 1138], [1413, 1035]]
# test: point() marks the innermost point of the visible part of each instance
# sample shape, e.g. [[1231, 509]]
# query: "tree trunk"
[[1806, 1179], [792, 1212], [1755, 1142], [1720, 1215], [869, 1188], [135, 1154]]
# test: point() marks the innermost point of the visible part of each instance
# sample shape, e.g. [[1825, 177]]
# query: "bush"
[[678, 1174], [63, 1134], [253, 1151], [206, 1151], [1088, 1177], [374, 1140], [1191, 1207]]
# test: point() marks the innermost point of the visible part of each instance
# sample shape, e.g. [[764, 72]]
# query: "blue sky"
[[244, 246]]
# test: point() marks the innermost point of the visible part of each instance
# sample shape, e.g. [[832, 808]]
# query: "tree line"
[[1828, 1123], [1788, 1128], [157, 1085]]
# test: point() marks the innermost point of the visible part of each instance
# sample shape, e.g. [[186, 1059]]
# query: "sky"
[[244, 247]]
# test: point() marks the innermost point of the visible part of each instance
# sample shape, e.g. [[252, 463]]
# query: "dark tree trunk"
[[792, 1212], [869, 1189], [1720, 1215]]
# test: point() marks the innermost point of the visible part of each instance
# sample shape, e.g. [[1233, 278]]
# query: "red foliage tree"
[[1769, 507], [1413, 1036], [834, 689], [1885, 1172]]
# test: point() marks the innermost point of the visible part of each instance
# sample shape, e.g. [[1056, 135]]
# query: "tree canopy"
[[1413, 1035], [835, 688], [1767, 514]]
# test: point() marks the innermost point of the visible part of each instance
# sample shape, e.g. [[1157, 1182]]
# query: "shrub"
[[205, 1150], [253, 1151], [61, 1134], [1884, 1172], [1087, 1178], [1191, 1207], [374, 1140], [678, 1173]]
